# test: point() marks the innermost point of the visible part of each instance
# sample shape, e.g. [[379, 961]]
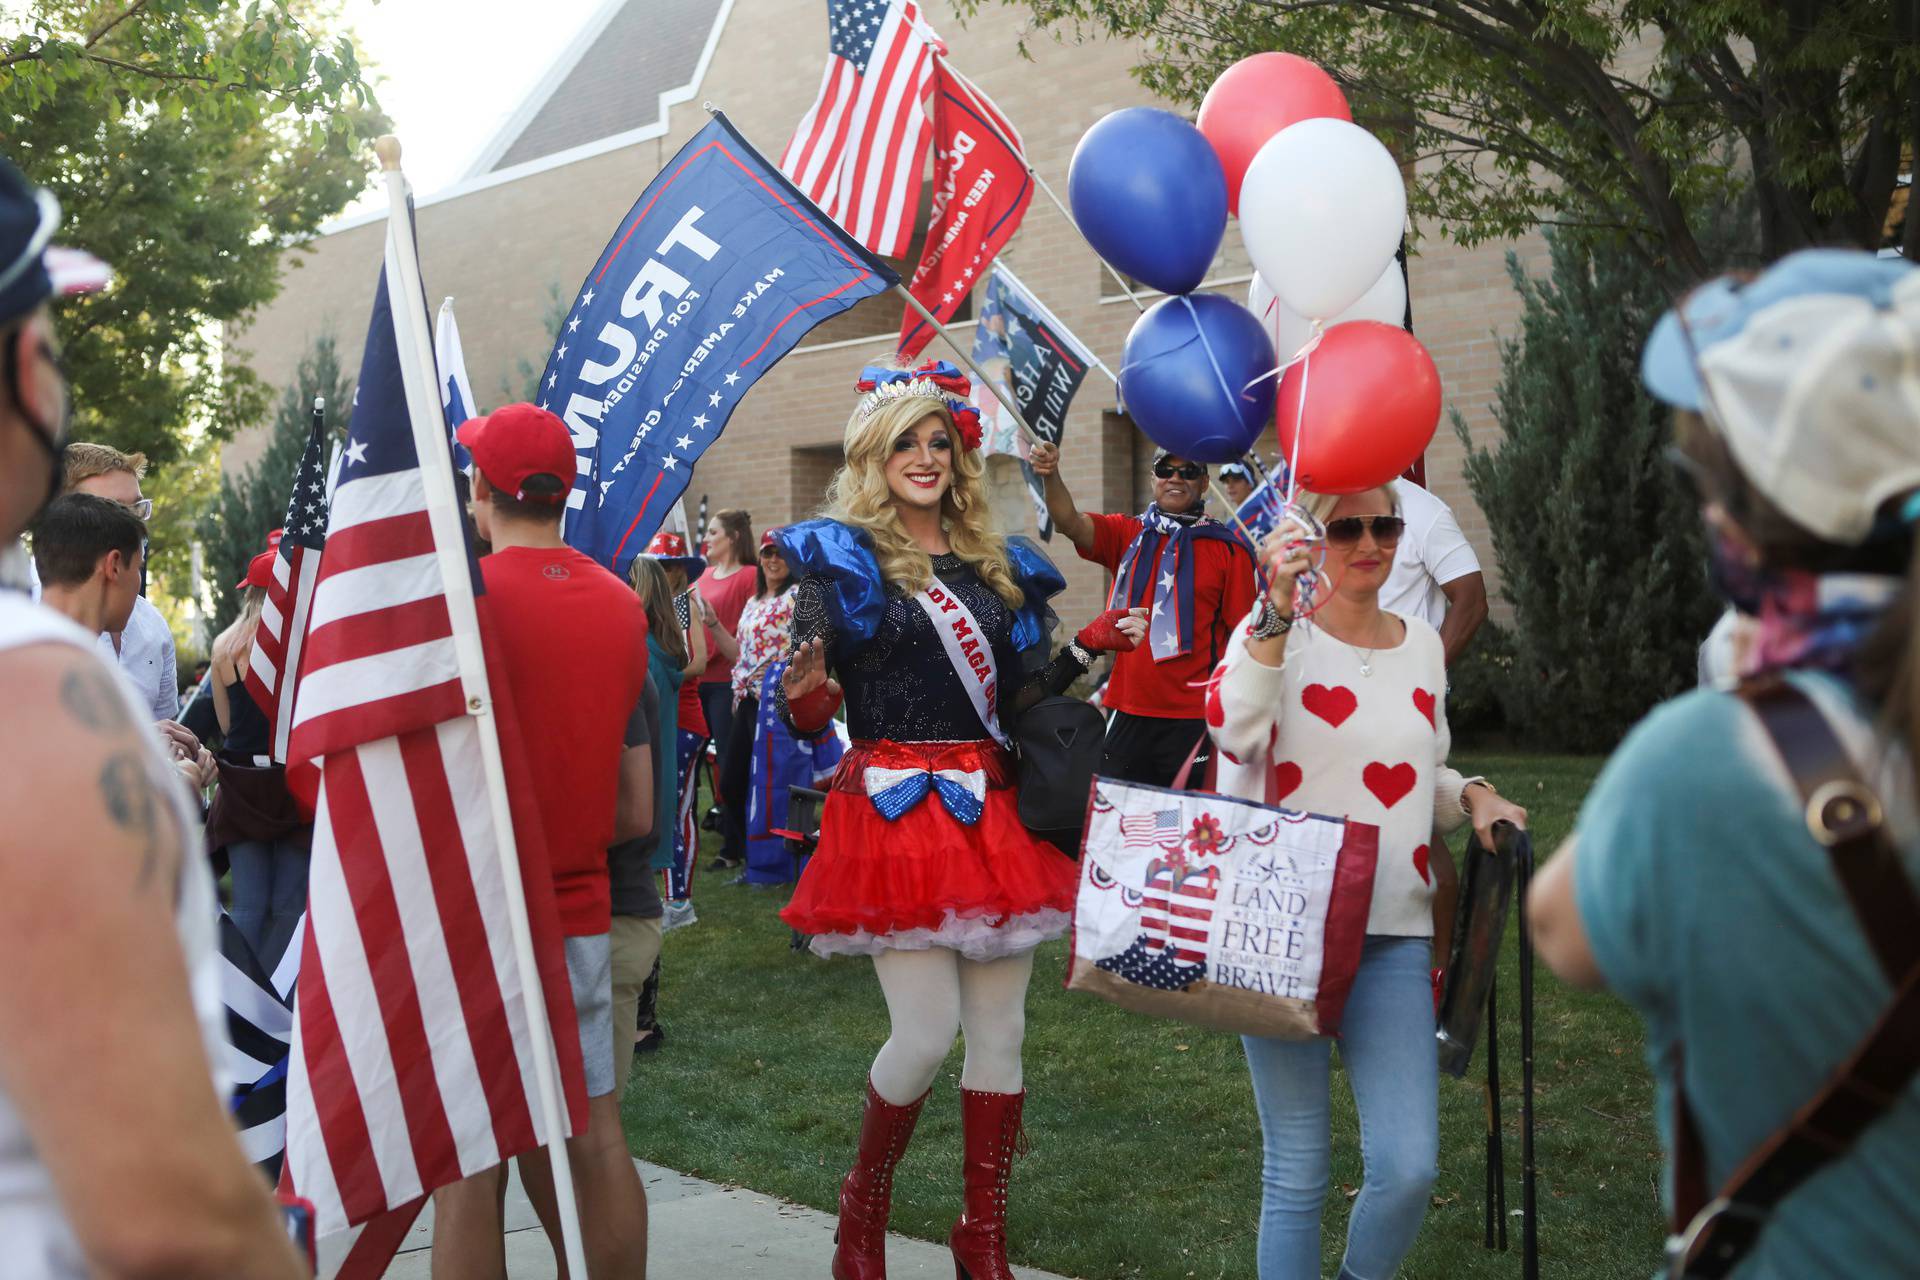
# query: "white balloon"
[[1321, 211], [1385, 300]]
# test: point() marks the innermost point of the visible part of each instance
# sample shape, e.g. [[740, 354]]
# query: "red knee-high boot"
[[990, 1127], [866, 1196]]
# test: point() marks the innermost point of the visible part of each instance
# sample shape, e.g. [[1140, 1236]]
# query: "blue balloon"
[[1149, 194], [1185, 376]]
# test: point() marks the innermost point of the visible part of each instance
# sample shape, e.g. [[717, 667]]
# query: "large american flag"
[[861, 148], [413, 1064], [274, 668]]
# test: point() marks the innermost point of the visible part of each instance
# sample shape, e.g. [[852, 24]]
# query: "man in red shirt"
[[1194, 575], [572, 643]]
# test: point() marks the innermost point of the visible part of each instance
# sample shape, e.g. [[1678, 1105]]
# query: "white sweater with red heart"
[[1339, 731]]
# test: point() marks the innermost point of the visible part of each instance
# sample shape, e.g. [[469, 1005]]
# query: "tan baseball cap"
[[1811, 374]]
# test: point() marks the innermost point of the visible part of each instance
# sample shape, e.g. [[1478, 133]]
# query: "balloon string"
[[1307, 348], [1300, 417], [1207, 347]]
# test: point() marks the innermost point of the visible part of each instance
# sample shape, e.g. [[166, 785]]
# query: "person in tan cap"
[[1746, 871]]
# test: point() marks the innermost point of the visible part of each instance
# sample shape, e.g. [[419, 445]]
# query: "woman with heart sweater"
[[1343, 712]]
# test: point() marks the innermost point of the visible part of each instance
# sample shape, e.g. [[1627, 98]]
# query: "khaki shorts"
[[636, 945], [590, 970]]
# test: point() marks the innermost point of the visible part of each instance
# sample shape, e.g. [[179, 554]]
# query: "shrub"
[[1598, 542]]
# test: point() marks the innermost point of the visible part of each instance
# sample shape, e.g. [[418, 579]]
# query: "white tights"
[[934, 994]]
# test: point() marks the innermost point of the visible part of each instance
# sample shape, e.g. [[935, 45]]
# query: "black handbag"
[[1059, 740]]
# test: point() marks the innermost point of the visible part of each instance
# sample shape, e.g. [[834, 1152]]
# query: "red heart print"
[[1389, 783], [1420, 863], [1286, 778], [1333, 705], [1423, 701]]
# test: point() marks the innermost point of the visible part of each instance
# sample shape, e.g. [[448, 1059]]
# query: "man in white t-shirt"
[[1436, 575], [117, 1155], [144, 647]]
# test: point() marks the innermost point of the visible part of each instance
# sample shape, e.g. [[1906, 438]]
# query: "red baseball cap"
[[518, 441], [260, 568]]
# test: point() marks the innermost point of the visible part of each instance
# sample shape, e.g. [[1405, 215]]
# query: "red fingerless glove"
[[1103, 634], [811, 712]]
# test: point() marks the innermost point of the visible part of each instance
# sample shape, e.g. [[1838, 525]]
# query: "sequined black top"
[[901, 685]]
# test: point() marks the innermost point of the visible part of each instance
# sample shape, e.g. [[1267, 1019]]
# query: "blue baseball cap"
[[1810, 372], [32, 268]]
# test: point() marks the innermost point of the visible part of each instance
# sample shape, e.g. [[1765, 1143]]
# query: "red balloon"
[[1256, 98], [1373, 402]]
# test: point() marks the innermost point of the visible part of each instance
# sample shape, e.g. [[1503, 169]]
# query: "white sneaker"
[[677, 915]]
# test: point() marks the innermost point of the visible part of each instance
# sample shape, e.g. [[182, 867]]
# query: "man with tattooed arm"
[[117, 1157]]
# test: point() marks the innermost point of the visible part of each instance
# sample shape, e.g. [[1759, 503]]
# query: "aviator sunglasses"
[[1345, 531], [1186, 470]]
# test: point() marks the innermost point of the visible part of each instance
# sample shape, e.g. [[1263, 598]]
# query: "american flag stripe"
[[807, 155], [408, 624]]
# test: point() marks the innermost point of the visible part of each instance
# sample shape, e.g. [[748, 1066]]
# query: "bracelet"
[[1268, 621], [1082, 656]]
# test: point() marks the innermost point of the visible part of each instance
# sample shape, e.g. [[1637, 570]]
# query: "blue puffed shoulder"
[[1041, 580], [842, 556]]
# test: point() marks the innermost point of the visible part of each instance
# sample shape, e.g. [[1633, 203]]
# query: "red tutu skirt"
[[925, 878]]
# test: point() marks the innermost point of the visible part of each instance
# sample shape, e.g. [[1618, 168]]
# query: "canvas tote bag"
[[1220, 912]]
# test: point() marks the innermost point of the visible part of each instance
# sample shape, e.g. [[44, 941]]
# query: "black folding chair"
[[802, 837], [1490, 883]]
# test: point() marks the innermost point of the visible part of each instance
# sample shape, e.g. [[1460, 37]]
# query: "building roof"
[[629, 63]]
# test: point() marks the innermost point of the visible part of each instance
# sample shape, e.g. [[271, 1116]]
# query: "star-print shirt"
[[763, 637], [1319, 734]]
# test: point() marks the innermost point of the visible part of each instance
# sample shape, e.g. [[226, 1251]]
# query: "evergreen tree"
[[1599, 544], [251, 506]]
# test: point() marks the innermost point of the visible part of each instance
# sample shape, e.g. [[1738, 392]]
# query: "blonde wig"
[[859, 496]]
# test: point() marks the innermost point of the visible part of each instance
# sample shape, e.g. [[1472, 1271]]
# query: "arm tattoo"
[[132, 802], [88, 693]]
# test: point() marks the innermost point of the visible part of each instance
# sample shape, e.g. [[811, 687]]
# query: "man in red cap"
[[573, 649]]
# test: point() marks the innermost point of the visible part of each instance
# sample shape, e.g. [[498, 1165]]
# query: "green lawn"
[[1145, 1147]]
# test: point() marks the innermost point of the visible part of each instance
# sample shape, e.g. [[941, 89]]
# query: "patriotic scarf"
[[1803, 620], [1170, 622]]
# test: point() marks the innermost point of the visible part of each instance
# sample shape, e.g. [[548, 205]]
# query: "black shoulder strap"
[[1843, 813]]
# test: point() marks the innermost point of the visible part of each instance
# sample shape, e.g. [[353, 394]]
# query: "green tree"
[[1602, 115], [1599, 545], [190, 142], [235, 527]]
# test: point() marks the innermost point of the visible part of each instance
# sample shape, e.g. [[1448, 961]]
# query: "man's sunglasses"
[[1186, 470], [1345, 531]]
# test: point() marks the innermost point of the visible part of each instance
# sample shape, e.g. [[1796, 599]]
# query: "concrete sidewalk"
[[702, 1229]]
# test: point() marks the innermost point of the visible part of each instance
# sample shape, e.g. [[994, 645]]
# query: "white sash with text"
[[968, 651]]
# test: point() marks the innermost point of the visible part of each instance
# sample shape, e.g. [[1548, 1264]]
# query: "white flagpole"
[[411, 334], [988, 112]]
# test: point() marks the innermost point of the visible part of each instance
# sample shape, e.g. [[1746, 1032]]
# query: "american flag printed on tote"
[[860, 150], [1145, 830]]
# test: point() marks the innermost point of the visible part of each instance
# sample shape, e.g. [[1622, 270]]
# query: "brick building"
[[512, 240]]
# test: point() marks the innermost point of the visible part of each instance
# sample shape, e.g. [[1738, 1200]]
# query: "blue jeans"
[[1387, 1048], [269, 894]]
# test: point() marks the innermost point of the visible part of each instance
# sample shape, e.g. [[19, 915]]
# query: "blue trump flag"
[[717, 271]]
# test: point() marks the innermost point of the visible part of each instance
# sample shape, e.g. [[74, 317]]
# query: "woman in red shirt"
[[725, 589]]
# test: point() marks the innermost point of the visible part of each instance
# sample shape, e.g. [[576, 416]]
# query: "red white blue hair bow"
[[934, 379]]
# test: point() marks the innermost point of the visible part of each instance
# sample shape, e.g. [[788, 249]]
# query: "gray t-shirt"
[[635, 889]]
